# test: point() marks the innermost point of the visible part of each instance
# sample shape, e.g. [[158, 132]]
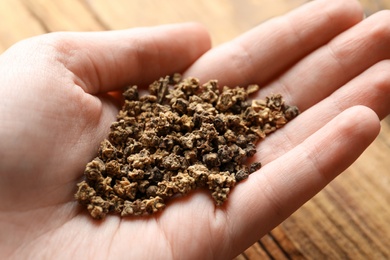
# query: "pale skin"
[[55, 110]]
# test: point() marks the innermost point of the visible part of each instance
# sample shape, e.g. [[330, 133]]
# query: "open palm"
[[58, 100]]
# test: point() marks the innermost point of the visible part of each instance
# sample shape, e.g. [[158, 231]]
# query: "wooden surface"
[[348, 220]]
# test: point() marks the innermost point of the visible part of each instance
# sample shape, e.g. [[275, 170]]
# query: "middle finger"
[[328, 68]]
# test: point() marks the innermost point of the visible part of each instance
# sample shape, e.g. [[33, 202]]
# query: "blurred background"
[[347, 220], [224, 18]]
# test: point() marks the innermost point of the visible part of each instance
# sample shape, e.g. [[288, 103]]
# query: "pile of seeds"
[[179, 137]]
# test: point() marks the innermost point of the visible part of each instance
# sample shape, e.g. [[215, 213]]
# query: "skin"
[[59, 96]]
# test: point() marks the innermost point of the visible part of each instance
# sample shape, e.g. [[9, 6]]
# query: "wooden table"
[[347, 220]]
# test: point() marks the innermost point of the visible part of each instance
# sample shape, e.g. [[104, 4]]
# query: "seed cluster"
[[181, 136]]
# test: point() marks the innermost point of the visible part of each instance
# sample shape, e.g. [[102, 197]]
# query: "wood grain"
[[347, 220]]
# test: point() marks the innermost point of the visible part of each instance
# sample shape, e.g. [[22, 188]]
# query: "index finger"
[[266, 51]]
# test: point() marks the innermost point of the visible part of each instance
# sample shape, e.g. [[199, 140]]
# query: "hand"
[[58, 99]]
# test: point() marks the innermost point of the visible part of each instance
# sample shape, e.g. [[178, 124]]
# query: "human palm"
[[58, 100]]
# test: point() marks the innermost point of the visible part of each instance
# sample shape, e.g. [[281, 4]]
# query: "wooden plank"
[[273, 248], [286, 244], [372, 6], [240, 257], [13, 27], [58, 15], [256, 252]]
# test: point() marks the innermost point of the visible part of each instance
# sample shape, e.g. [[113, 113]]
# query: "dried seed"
[[180, 136]]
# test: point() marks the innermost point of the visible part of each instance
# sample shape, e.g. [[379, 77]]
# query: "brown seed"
[[180, 136]]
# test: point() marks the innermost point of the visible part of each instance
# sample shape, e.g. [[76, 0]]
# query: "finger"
[[370, 88], [282, 186], [269, 49], [107, 61], [331, 66]]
